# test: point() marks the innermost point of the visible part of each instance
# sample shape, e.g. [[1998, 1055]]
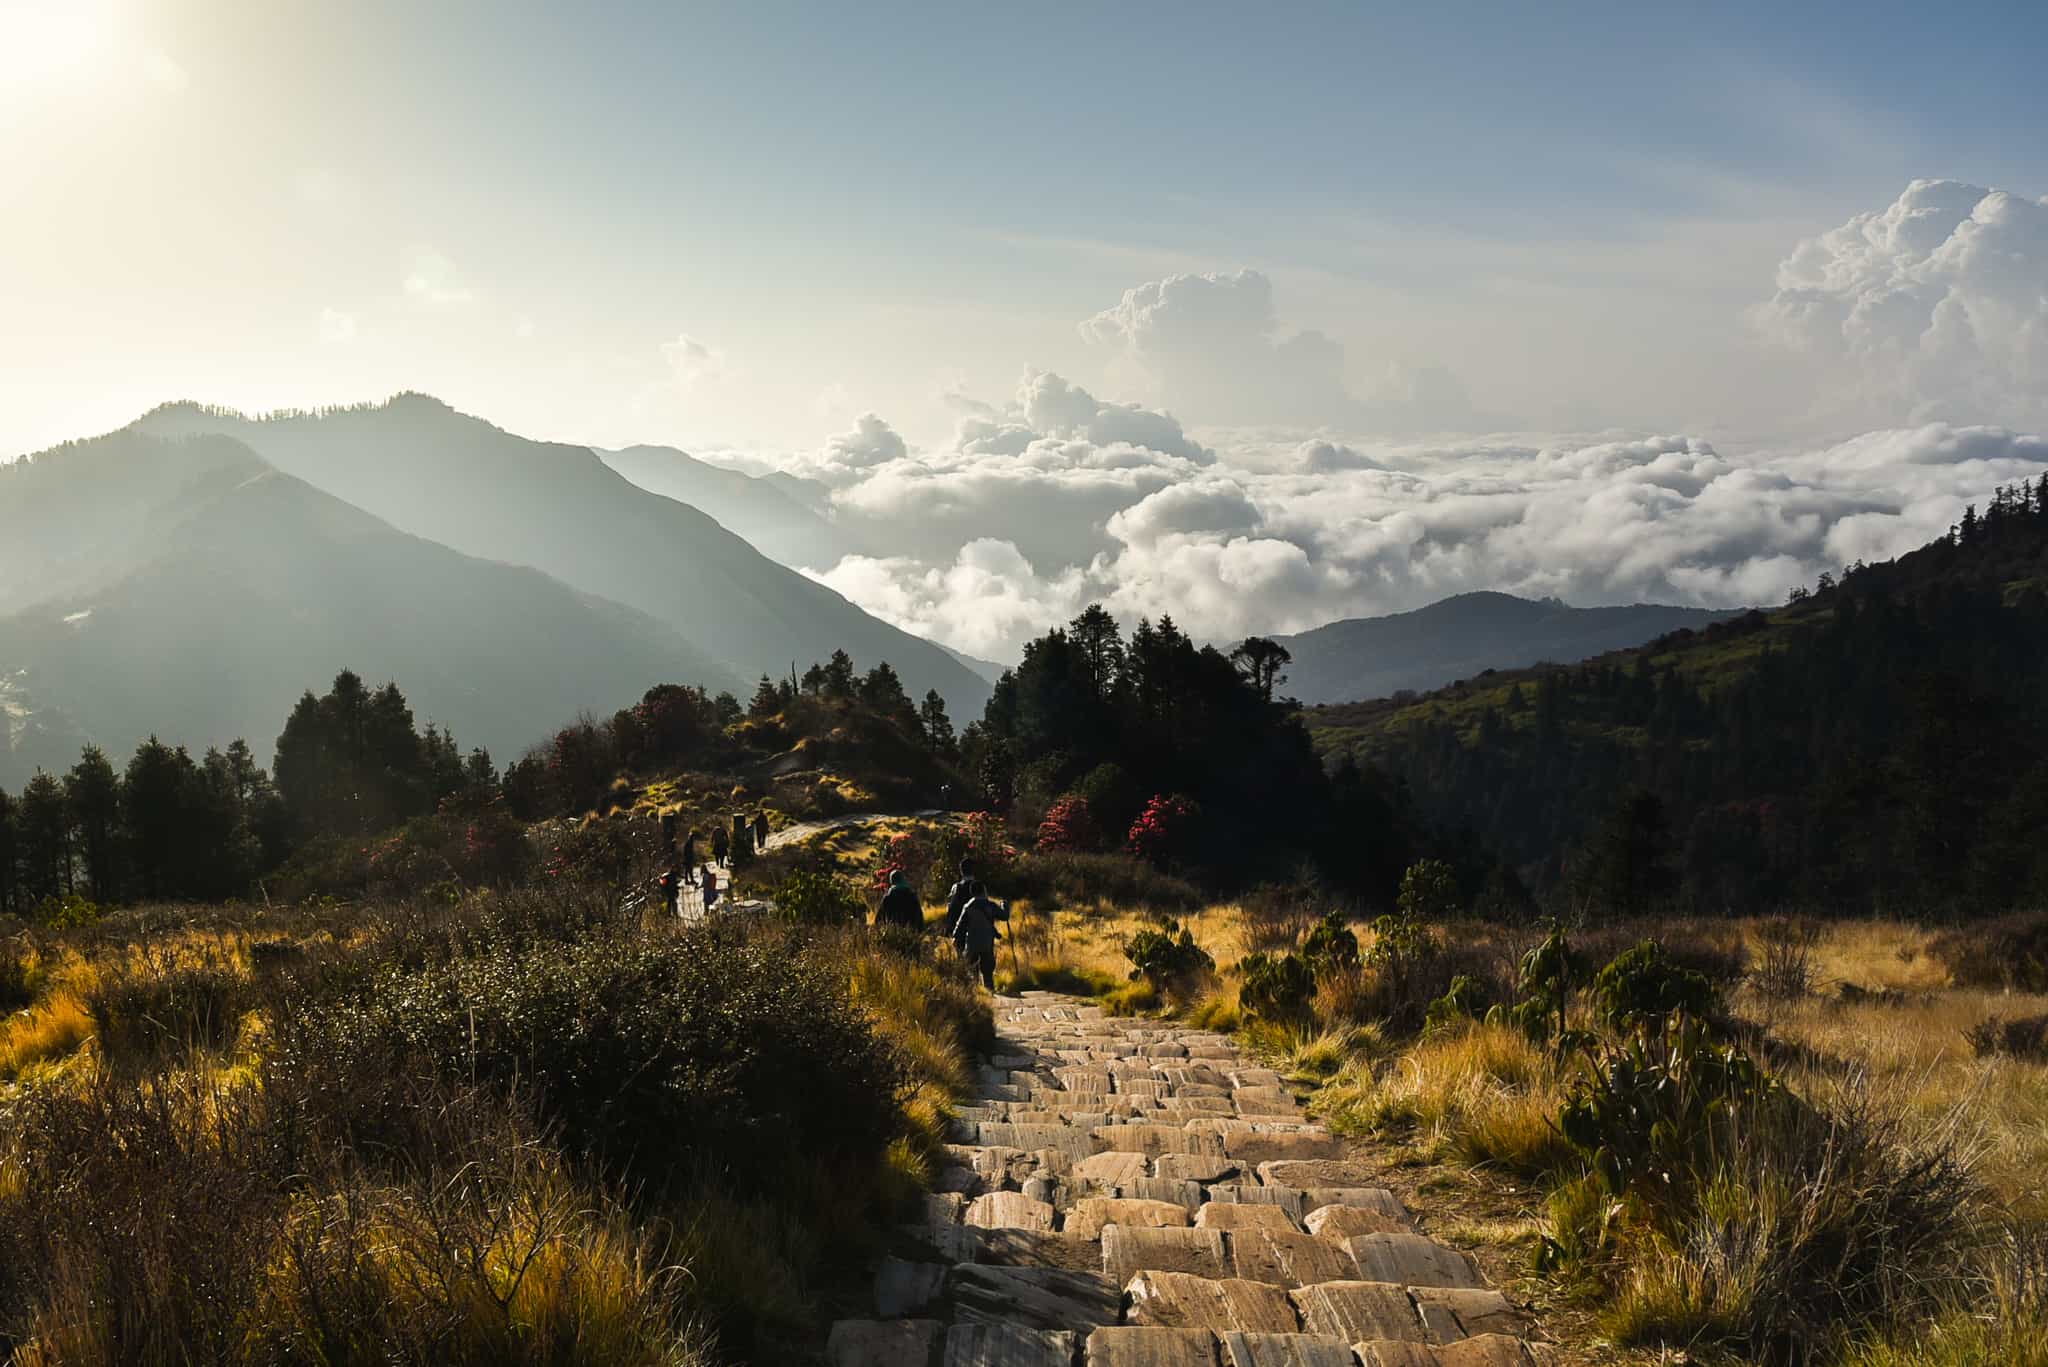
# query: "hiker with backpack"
[[710, 886], [689, 858], [975, 934], [957, 897], [900, 907], [672, 889], [721, 844], [761, 831]]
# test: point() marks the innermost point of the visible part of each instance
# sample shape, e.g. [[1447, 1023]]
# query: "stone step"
[[1412, 1260], [1033, 1297], [1089, 1214], [883, 1343], [1490, 1350], [1225, 1215], [1180, 1300], [1144, 1346], [1009, 1345], [1127, 1251], [1284, 1350]]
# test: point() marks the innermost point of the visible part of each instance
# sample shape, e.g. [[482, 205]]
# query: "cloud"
[[1212, 345], [694, 363], [432, 277], [1014, 530], [162, 72], [1935, 306]]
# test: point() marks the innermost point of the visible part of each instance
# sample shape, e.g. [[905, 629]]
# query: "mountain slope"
[[458, 480], [1372, 657], [758, 511], [250, 586], [1879, 745]]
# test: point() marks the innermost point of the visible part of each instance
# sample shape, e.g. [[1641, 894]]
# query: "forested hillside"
[[1881, 742]]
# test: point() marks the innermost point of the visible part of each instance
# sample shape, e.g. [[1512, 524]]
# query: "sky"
[[1423, 235]]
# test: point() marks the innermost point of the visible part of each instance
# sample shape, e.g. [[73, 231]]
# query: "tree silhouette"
[[1261, 661]]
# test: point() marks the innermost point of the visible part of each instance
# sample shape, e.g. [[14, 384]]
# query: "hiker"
[[900, 906], [975, 933], [721, 844], [761, 831], [957, 898], [689, 859], [672, 889], [709, 882]]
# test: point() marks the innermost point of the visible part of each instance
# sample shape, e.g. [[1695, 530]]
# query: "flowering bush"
[[1162, 830], [1069, 827], [914, 852]]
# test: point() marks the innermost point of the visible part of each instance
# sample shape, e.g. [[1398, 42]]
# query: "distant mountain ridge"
[[238, 586], [762, 511], [1458, 637], [460, 481]]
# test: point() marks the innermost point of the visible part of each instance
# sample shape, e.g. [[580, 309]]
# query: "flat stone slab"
[[1412, 1260], [1267, 1147], [1490, 1350], [883, 1343], [1355, 1311], [1394, 1353], [1226, 1215], [1339, 1223], [1257, 1077], [1089, 1214], [1128, 1250], [962, 1180], [904, 1288], [1317, 1172], [1180, 1300], [1186, 1195], [1287, 1258], [1290, 1199], [1031, 1138], [1284, 1350], [1033, 1297], [1008, 1210], [1113, 1169], [1007, 1345], [1031, 1248], [1194, 1167], [1453, 1313], [1155, 1140], [1136, 1346]]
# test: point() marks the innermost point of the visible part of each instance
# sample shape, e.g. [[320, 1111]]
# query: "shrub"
[[1466, 999], [1429, 892], [1069, 826], [1784, 971], [2009, 953], [1168, 959], [812, 896], [18, 975], [1086, 879], [163, 1004], [1330, 947], [744, 1052], [1162, 831], [2023, 1037], [1276, 988]]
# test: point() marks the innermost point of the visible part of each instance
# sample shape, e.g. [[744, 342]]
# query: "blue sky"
[[861, 207]]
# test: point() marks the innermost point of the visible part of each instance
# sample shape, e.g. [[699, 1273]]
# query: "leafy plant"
[[1277, 987], [1162, 830], [1069, 826], [1466, 999], [1429, 892], [1330, 948], [1547, 974], [815, 896], [1167, 958]]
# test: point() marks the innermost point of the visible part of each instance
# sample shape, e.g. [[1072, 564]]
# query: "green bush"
[[744, 1053], [1467, 998], [1330, 948], [1277, 988], [1075, 879], [812, 896], [1168, 959]]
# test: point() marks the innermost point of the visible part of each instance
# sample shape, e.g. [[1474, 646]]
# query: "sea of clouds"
[[1929, 316]]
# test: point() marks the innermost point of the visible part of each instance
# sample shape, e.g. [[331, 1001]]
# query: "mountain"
[[1878, 745], [485, 492], [760, 511], [1373, 657], [238, 587]]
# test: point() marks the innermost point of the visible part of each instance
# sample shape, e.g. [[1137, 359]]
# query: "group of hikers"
[[739, 839], [971, 916]]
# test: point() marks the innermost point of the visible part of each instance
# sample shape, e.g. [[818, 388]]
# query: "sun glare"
[[51, 42]]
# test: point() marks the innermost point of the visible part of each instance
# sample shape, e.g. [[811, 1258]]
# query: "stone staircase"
[[1128, 1194]]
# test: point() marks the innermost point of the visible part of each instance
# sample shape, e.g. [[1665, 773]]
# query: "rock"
[[1256, 1077], [1271, 1146], [1338, 1223], [1285, 1258], [964, 1181], [1284, 1350], [1113, 1169], [1128, 1250], [1394, 1353], [1452, 1313], [1134, 1346], [883, 1343], [1488, 1350], [1186, 1195], [943, 1208], [1009, 1210], [1155, 1140], [1223, 1215], [1042, 1188], [1311, 1173], [1032, 1248], [904, 1288], [1289, 1199], [1180, 1300], [1194, 1167], [1033, 1297], [1411, 1260], [1059, 1138], [1088, 1215], [1354, 1311], [1007, 1345]]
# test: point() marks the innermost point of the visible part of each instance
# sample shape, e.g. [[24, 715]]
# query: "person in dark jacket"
[[975, 934], [900, 906], [709, 882], [721, 844], [672, 889], [689, 859], [957, 898], [760, 832]]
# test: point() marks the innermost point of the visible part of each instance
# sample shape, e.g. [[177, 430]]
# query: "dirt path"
[[1129, 1193]]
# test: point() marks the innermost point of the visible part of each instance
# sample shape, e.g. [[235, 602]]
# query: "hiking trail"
[[1127, 1192]]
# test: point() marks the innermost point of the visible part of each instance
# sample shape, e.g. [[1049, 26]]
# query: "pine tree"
[[43, 830], [937, 726], [767, 700], [93, 792]]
